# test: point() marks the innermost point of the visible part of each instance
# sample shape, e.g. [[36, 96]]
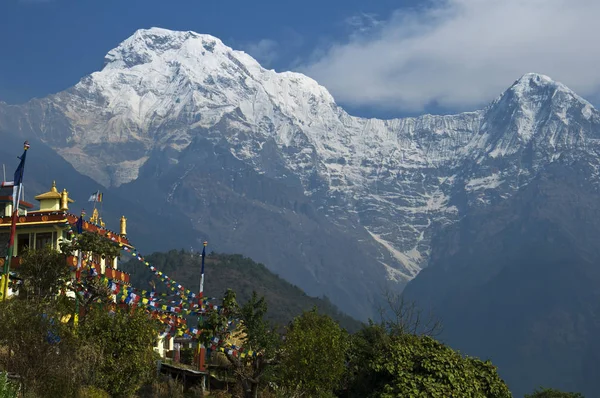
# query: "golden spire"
[[123, 226]]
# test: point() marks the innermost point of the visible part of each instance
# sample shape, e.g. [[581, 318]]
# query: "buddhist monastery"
[[51, 224]]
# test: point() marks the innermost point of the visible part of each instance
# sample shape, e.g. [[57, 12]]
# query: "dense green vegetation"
[[108, 351], [224, 271], [552, 393], [54, 353]]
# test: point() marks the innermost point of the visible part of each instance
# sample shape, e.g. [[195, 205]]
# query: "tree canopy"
[[552, 393], [313, 357]]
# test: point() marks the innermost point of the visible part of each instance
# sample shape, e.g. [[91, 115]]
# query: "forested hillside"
[[223, 271]]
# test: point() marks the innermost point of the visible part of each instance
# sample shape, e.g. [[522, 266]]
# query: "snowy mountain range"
[[176, 107]]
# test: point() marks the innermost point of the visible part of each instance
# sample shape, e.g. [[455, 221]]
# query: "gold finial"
[[123, 226], [94, 218], [64, 200], [102, 224], [53, 187]]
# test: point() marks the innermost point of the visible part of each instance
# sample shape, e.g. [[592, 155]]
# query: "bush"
[[8, 388], [187, 356], [92, 392]]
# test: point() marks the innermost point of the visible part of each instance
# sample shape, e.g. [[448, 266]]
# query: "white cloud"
[[264, 51], [460, 54]]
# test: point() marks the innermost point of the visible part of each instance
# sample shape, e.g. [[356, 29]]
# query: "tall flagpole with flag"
[[199, 352], [17, 190]]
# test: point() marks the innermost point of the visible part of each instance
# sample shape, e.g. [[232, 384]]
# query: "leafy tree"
[[398, 357], [125, 338], [89, 242], [313, 358], [254, 330], [365, 348], [97, 291], [41, 349], [419, 366], [44, 273], [552, 393], [216, 323], [112, 349]]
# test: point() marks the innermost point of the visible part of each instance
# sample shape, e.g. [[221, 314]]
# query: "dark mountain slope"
[[520, 283]]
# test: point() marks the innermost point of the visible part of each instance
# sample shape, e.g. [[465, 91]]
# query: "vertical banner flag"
[[17, 190]]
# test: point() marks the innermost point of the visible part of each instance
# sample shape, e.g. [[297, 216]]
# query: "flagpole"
[[200, 318], [202, 271], [78, 270], [18, 185]]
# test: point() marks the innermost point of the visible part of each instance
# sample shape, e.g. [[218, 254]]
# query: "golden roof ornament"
[[64, 200], [123, 226], [94, 218]]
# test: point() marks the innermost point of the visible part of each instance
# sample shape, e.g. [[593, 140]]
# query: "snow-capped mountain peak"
[[147, 44], [534, 91], [158, 75]]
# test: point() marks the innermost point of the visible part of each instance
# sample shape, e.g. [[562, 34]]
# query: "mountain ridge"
[[385, 186]]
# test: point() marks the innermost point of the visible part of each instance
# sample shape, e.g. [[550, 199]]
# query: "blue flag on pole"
[[18, 177]]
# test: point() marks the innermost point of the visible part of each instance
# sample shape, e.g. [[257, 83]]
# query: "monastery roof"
[[52, 194]]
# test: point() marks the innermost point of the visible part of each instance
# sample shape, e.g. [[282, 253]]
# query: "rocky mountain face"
[[517, 282], [267, 164]]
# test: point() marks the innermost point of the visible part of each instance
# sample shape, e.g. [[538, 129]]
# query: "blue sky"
[[382, 57]]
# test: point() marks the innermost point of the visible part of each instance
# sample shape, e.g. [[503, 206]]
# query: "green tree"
[[398, 357], [365, 348], [89, 242], [313, 355], [419, 366], [260, 337], [97, 291], [256, 332], [44, 273], [40, 348], [552, 393], [125, 338]]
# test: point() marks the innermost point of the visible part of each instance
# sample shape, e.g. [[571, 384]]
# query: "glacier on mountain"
[[400, 180]]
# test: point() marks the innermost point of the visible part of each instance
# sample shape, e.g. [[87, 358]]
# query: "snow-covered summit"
[[158, 75], [532, 87]]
